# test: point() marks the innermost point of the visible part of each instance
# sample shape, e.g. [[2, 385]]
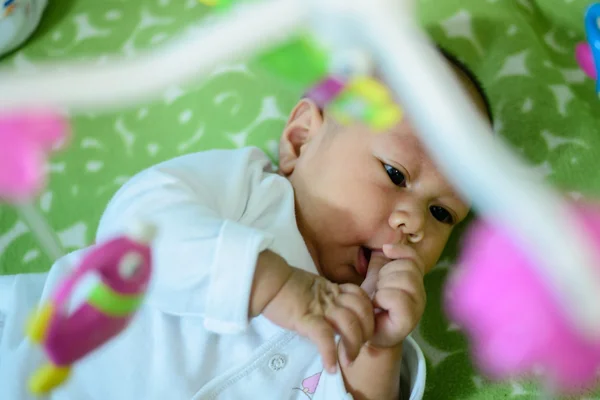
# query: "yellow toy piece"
[[386, 117], [370, 89], [220, 5], [37, 325], [341, 116], [366, 99], [47, 378]]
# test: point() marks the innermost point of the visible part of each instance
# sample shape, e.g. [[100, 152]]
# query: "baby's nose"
[[408, 225]]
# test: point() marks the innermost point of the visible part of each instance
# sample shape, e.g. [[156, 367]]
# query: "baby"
[[301, 283]]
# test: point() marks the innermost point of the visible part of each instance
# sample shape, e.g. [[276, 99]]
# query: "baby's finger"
[[354, 289], [412, 290], [402, 315], [403, 264], [319, 332], [348, 326], [378, 261], [401, 251], [362, 307], [400, 276], [396, 250], [401, 307]]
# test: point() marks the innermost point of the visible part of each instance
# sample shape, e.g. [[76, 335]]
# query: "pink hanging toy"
[[514, 319], [26, 139], [123, 264], [588, 54], [515, 323]]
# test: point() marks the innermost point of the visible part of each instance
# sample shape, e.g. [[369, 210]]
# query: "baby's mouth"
[[364, 257]]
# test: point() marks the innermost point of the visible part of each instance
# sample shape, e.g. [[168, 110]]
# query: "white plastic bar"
[[120, 83], [484, 169], [41, 230]]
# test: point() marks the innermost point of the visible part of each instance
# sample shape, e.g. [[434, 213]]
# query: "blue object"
[[592, 30]]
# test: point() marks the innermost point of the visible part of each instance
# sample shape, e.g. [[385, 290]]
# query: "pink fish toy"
[[124, 268]]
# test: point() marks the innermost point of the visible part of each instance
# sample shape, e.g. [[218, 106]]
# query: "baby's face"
[[357, 190]]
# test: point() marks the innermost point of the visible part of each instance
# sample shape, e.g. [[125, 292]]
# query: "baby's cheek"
[[432, 250], [369, 215]]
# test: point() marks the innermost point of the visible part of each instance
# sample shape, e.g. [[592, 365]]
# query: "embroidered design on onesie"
[[8, 6], [309, 385]]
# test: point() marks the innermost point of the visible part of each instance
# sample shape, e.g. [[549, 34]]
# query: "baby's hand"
[[397, 290], [318, 309]]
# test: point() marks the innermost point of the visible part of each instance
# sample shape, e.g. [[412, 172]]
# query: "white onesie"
[[216, 211]]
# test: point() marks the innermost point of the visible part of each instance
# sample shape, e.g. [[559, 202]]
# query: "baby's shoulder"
[[214, 160]]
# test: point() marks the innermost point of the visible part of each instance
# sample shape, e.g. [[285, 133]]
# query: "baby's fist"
[[397, 290], [318, 309]]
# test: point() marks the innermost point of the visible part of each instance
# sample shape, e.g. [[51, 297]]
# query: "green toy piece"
[[300, 62], [219, 5]]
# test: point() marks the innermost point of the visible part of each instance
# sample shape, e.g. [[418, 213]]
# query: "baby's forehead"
[[402, 146], [403, 137]]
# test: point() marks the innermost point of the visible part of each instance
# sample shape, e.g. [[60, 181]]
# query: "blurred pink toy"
[[515, 323], [585, 59], [124, 268], [325, 91], [587, 53], [26, 139], [123, 264]]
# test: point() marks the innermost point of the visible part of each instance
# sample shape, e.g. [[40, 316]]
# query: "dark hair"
[[471, 76]]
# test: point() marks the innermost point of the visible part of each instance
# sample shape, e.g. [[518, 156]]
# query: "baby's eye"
[[396, 176], [442, 215]]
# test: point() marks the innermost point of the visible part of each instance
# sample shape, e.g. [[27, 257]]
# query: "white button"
[[277, 362]]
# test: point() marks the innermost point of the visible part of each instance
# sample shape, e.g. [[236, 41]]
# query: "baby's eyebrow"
[[408, 162], [403, 157], [454, 200]]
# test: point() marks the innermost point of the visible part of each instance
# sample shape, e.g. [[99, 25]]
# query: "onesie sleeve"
[[204, 258]]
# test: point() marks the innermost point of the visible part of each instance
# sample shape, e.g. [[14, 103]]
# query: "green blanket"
[[521, 50]]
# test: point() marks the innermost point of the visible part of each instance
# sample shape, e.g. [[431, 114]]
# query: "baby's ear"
[[304, 123]]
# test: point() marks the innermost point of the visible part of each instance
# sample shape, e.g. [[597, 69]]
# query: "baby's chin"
[[341, 274]]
